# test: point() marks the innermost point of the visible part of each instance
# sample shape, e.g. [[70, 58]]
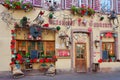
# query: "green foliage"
[[51, 15], [82, 10], [58, 28], [18, 5], [23, 21], [91, 11]]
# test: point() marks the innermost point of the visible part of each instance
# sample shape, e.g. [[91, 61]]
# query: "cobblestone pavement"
[[66, 76]]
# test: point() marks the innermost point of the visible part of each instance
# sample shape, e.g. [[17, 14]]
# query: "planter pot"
[[113, 59]]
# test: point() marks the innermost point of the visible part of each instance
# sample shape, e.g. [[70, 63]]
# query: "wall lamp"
[[97, 43]]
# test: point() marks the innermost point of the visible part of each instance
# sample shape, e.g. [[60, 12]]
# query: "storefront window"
[[108, 51]]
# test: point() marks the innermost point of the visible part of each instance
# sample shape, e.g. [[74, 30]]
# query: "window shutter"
[[118, 6], [28, 1], [62, 4], [75, 3], [38, 3], [68, 4], [96, 5], [1, 1]]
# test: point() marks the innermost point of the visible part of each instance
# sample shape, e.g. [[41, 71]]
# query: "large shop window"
[[36, 49], [108, 51]]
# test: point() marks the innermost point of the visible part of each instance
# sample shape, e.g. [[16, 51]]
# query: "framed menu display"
[[63, 53]]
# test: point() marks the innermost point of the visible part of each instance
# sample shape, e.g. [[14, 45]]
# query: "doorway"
[[80, 57]]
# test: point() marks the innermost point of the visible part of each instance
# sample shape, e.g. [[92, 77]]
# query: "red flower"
[[12, 63], [12, 46], [19, 57], [31, 60], [46, 60], [17, 7], [46, 25], [12, 31], [100, 60], [42, 12], [13, 41], [41, 60], [12, 52], [34, 60], [109, 34], [6, 5]]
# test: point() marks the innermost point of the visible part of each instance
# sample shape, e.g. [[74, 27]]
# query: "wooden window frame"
[[113, 49]]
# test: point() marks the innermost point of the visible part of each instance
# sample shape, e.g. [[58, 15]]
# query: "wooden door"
[[80, 57]]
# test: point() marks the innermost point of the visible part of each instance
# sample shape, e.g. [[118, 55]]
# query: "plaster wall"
[[5, 35]]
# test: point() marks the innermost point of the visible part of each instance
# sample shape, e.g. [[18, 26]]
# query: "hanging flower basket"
[[17, 5], [83, 10]]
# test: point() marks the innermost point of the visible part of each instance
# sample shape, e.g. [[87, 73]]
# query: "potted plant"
[[73, 10], [90, 11], [112, 57]]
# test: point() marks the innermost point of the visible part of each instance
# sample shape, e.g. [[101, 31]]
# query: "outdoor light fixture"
[[97, 42]]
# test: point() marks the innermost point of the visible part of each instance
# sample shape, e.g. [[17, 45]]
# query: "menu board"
[[63, 53]]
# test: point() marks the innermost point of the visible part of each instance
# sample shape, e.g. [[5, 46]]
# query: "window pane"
[[106, 5], [108, 50], [85, 2]]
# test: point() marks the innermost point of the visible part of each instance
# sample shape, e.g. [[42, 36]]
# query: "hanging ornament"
[[84, 22], [13, 56], [108, 35], [102, 35], [115, 35], [90, 29], [51, 15], [58, 28]]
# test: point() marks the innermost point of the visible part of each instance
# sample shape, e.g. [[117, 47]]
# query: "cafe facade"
[[71, 41]]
